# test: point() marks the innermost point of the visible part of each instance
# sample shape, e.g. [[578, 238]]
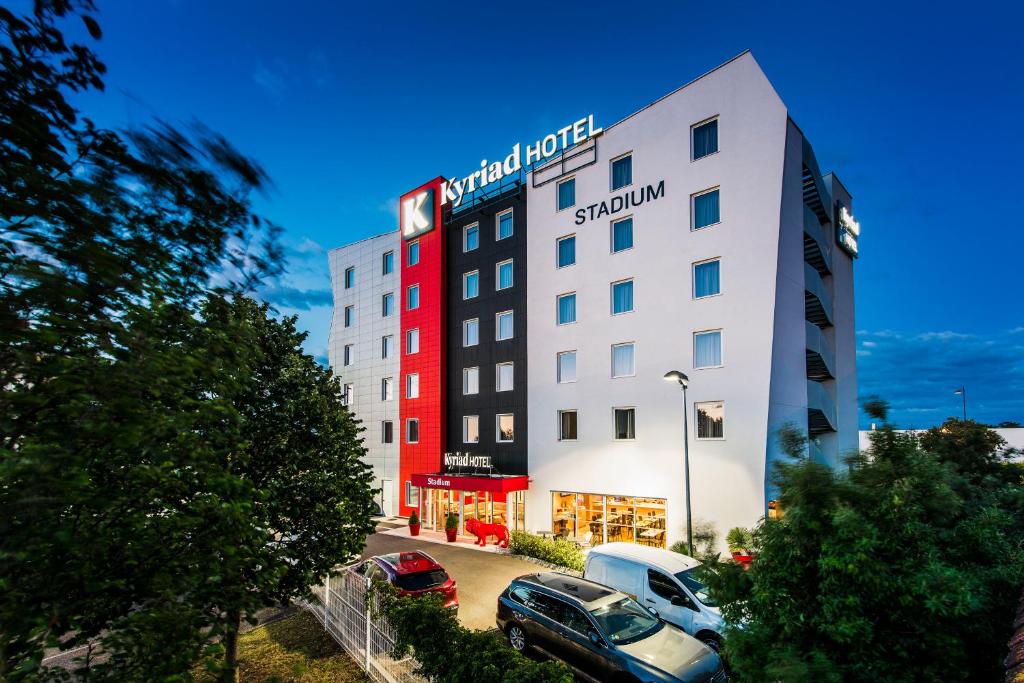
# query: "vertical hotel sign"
[[422, 391]]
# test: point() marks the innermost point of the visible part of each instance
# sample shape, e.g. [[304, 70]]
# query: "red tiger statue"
[[481, 530]]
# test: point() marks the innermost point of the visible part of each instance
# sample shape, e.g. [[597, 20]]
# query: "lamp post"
[[684, 381], [962, 392]]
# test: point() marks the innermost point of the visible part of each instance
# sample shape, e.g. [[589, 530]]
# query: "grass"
[[293, 650]]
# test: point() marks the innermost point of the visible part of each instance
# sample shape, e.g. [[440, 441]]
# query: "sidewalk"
[[467, 542]]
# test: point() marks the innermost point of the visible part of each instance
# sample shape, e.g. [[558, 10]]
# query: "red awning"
[[470, 483]]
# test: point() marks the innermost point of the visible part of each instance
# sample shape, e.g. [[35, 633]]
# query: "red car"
[[412, 573]]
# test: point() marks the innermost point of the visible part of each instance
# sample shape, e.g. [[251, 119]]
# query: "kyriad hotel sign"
[[417, 209]]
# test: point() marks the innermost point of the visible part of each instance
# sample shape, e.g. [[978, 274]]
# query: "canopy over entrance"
[[494, 483]]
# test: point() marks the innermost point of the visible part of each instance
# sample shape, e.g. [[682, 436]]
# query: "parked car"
[[601, 633], [412, 573], [667, 581]]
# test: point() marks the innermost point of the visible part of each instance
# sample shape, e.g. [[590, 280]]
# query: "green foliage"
[[449, 653], [907, 567], [414, 518], [451, 521], [739, 540], [705, 542], [554, 551]]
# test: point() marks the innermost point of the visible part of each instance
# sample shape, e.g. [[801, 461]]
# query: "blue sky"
[[916, 106]]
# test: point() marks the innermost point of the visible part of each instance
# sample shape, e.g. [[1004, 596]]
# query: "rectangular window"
[[710, 420], [412, 341], [414, 253], [566, 367], [566, 425], [705, 139], [387, 389], [471, 332], [504, 274], [471, 429], [622, 235], [350, 355], [707, 349], [412, 430], [505, 428], [412, 495], [622, 297], [504, 227], [388, 265], [387, 431], [471, 237], [504, 377], [503, 326], [350, 277], [350, 316], [706, 279], [388, 304], [705, 209], [387, 346], [412, 385], [623, 360], [348, 394], [566, 193], [413, 298], [470, 381], [471, 285], [625, 424], [567, 308], [622, 171], [566, 252]]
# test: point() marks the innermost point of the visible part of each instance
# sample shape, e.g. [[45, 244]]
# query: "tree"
[[908, 567], [975, 450]]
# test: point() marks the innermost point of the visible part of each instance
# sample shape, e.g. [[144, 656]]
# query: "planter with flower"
[[451, 526], [740, 542], [414, 524]]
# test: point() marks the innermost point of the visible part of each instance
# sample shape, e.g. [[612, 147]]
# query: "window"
[[412, 341], [710, 420], [707, 349], [503, 326], [622, 235], [412, 495], [623, 360], [622, 171], [350, 277], [504, 377], [566, 367], [506, 428], [387, 389], [504, 274], [413, 298], [706, 279], [504, 227], [705, 139], [412, 430], [350, 355], [348, 394], [567, 308], [566, 252], [625, 423], [471, 429], [470, 381], [414, 253], [387, 346], [387, 304], [388, 264], [387, 431], [350, 316], [566, 425], [412, 385], [471, 285], [662, 586], [471, 237], [471, 332], [705, 209], [622, 297], [566, 193]]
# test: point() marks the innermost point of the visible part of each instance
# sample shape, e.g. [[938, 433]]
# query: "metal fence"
[[346, 612]]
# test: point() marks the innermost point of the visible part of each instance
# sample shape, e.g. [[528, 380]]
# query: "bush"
[[555, 551], [451, 522], [414, 518], [705, 542], [739, 540]]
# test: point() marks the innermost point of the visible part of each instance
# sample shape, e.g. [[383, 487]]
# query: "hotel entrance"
[[492, 500]]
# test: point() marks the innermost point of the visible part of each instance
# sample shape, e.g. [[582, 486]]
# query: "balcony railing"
[[817, 300], [821, 409], [817, 249], [821, 358]]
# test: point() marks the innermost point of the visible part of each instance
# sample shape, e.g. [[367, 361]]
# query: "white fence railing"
[[342, 606]]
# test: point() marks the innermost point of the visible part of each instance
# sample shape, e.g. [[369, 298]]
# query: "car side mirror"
[[654, 612], [596, 639]]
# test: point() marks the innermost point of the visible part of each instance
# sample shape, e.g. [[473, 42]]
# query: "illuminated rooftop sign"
[[848, 231]]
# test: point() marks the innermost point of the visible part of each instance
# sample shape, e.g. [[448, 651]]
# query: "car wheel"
[[517, 638], [712, 642]]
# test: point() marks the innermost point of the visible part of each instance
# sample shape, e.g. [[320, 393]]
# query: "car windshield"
[[419, 581], [694, 579], [625, 621]]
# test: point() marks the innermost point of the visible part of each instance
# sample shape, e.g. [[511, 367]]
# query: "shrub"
[[414, 518], [555, 551], [705, 542], [451, 522], [739, 540]]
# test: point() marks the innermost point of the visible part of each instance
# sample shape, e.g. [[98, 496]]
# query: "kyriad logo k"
[[418, 213]]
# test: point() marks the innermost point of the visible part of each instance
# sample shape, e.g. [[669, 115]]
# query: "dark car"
[[602, 634], [412, 573]]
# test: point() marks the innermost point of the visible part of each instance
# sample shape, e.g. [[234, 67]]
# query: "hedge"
[[554, 551]]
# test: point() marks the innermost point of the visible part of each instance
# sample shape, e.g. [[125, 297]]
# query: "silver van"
[[661, 579]]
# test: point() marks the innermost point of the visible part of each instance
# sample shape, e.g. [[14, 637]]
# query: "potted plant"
[[740, 541], [451, 526], [414, 524]]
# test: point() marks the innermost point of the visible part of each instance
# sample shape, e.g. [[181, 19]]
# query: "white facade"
[[367, 368]]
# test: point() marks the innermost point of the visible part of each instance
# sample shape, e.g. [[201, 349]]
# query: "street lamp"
[[684, 381], [962, 392]]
